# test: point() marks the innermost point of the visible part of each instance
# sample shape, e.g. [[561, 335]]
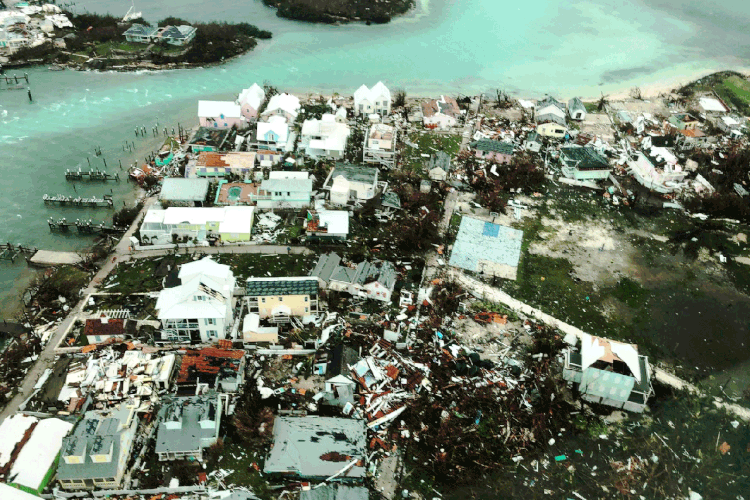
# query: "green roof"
[[494, 146], [583, 158], [268, 287]]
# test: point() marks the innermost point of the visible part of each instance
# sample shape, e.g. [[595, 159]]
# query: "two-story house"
[[324, 138], [96, 453], [375, 100], [250, 100], [212, 165], [284, 190], [380, 146], [187, 426], [348, 182], [200, 308], [220, 114], [273, 134], [278, 299], [285, 105]]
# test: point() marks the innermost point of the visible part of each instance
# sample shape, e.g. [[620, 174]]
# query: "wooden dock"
[[62, 200], [83, 227], [8, 251], [47, 258], [90, 175]]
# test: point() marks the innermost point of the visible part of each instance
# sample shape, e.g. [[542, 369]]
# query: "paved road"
[[121, 253]]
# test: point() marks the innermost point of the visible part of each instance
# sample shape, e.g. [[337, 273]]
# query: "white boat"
[[132, 16]]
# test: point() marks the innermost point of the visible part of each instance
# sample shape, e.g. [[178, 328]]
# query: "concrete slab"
[[46, 258]]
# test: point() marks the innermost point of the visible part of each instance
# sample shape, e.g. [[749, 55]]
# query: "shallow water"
[[530, 48]]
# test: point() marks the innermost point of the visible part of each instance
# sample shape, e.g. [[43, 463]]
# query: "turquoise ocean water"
[[531, 48]]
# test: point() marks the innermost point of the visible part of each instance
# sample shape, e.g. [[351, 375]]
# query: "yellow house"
[[230, 224], [551, 129], [278, 299]]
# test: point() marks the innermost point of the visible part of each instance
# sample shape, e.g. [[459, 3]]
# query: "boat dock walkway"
[[90, 175], [83, 226], [46, 258], [62, 200]]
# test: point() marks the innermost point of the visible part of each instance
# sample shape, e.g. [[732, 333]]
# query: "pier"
[[83, 227], [62, 200], [8, 251], [90, 175], [46, 258]]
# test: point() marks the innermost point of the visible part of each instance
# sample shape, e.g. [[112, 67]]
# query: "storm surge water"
[[529, 48]]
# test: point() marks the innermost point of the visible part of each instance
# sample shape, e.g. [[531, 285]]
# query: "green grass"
[[591, 107], [103, 49], [137, 276], [248, 265], [427, 143]]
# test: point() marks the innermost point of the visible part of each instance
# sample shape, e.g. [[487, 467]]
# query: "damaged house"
[[487, 248], [94, 456], [200, 309], [365, 280], [583, 164], [609, 373], [188, 425], [318, 448], [222, 370], [351, 183], [380, 146], [279, 299]]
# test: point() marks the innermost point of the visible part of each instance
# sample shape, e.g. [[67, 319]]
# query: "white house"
[[324, 138], [200, 309], [380, 145], [272, 134], [250, 100], [285, 190], [366, 280], [220, 114], [576, 109], [351, 183], [550, 109], [228, 224], [375, 100], [285, 105], [440, 113]]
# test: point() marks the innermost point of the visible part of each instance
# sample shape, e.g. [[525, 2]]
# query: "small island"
[[340, 11], [93, 41]]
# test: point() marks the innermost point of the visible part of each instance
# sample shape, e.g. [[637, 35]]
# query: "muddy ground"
[[619, 271]]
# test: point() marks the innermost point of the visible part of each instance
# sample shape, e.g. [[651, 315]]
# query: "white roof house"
[[207, 267], [324, 138], [710, 104], [275, 130], [252, 96], [11, 493], [12, 430], [200, 306], [39, 454], [285, 105], [375, 100]]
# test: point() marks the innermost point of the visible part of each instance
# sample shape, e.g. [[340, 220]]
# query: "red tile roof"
[[208, 361], [111, 327]]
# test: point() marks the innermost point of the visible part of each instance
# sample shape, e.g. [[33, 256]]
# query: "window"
[[281, 298], [288, 193], [306, 299], [263, 300], [212, 333], [307, 309], [209, 321]]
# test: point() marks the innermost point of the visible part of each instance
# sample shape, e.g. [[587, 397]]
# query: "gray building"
[[318, 447], [184, 192], [336, 492], [96, 453], [188, 425]]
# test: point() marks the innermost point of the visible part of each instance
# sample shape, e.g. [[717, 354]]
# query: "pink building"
[[494, 151], [250, 100], [220, 114]]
